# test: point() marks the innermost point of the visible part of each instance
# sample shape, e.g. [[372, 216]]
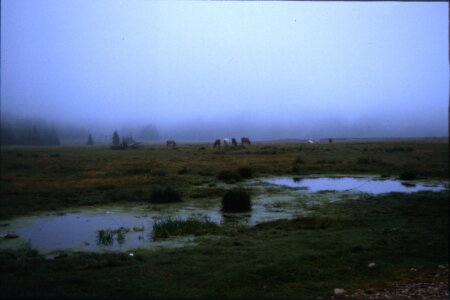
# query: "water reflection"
[[366, 185]]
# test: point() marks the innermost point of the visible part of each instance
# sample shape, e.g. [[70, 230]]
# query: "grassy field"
[[300, 258]]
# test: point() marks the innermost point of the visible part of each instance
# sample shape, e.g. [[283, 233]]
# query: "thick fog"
[[211, 69]]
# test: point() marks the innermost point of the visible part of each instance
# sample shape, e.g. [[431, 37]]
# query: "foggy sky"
[[203, 69]]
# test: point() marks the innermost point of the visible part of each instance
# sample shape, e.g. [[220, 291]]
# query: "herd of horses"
[[217, 143], [245, 141]]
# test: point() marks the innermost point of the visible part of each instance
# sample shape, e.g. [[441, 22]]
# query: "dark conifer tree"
[[116, 139], [90, 142]]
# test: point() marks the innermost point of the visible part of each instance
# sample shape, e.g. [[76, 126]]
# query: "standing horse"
[[217, 144], [171, 143], [226, 142], [233, 142], [245, 141]]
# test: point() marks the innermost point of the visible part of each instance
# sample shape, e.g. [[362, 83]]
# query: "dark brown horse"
[[217, 143], [233, 142], [171, 143], [245, 141]]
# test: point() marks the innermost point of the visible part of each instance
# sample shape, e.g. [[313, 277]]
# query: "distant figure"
[[171, 143], [330, 140], [226, 142], [217, 143], [245, 141], [234, 142]]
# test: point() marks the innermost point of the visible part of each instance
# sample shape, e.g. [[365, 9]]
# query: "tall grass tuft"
[[179, 227], [408, 175], [245, 172], [168, 195], [236, 201], [229, 176]]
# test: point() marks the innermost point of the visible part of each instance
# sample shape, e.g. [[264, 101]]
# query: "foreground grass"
[[301, 258], [50, 178]]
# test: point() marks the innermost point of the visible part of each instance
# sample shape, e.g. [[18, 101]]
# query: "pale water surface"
[[78, 231], [365, 185]]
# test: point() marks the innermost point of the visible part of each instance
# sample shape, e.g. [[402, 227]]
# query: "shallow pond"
[[116, 228], [125, 228], [347, 184]]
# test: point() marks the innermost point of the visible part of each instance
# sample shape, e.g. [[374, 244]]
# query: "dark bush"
[[114, 195], [408, 175], [236, 201], [363, 161], [183, 171], [168, 195], [229, 176], [299, 161], [400, 149], [245, 172], [158, 172], [296, 168], [55, 155], [136, 171]]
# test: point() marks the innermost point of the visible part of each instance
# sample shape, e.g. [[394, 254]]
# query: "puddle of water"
[[116, 230], [365, 185], [130, 228]]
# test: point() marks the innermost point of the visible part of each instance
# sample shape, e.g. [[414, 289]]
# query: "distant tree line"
[[31, 133]]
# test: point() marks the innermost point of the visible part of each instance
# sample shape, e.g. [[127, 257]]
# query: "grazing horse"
[[216, 143], [245, 141], [171, 143], [226, 142], [233, 142]]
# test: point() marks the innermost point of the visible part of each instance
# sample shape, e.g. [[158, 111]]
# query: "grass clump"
[[236, 201], [408, 175], [177, 227], [168, 195], [229, 176], [245, 172], [106, 237], [299, 161], [363, 161]]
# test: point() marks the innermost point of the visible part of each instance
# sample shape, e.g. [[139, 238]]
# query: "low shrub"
[[400, 149], [115, 195], [158, 172], [363, 161], [229, 176], [168, 195], [236, 201], [245, 172], [299, 160], [408, 175], [183, 171], [136, 171]]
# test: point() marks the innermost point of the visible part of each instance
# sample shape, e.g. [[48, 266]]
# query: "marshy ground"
[[318, 244]]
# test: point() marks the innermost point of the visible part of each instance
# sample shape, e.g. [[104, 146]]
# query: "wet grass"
[[171, 227], [302, 258], [167, 195], [106, 237], [32, 180]]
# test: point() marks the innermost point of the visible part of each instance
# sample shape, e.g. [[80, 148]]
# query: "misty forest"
[[224, 149]]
